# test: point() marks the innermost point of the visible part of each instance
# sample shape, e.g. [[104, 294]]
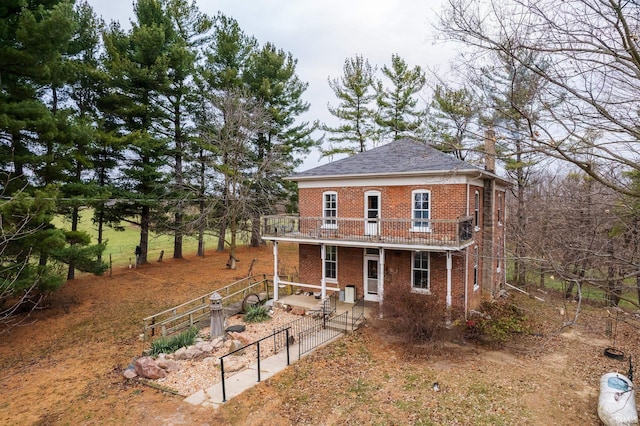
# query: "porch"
[[423, 234], [311, 304]]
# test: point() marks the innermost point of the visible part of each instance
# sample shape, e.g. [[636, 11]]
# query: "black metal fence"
[[357, 313], [321, 332], [284, 331]]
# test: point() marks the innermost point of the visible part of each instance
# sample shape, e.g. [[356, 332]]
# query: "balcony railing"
[[423, 232]]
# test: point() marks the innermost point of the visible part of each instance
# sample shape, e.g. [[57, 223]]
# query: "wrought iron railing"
[[357, 313], [425, 232]]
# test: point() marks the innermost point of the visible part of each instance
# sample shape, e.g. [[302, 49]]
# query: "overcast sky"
[[321, 34]]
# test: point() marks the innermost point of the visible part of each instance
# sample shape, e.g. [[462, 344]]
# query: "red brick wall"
[[447, 201], [397, 269]]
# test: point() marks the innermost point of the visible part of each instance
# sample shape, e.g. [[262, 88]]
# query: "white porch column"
[[449, 265], [276, 279], [323, 256], [381, 277]]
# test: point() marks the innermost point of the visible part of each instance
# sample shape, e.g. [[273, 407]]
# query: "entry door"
[[371, 277], [372, 213]]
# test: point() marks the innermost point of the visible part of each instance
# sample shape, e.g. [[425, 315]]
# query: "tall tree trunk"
[[520, 250], [71, 274], [145, 219], [256, 238]]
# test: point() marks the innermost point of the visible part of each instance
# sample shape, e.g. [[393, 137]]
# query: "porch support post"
[[323, 256], [381, 277], [276, 279], [449, 265]]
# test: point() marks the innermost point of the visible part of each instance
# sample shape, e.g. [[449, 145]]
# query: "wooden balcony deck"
[[424, 234]]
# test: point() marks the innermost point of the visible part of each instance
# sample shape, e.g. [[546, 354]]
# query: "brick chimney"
[[490, 150]]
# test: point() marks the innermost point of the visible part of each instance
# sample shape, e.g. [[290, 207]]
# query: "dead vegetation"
[[65, 366]]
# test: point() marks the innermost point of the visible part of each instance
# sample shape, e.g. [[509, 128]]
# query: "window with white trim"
[[476, 259], [331, 262], [420, 210], [476, 210], [330, 210], [420, 271]]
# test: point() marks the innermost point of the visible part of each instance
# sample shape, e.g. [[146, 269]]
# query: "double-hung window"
[[420, 272], [421, 210], [476, 210], [330, 210], [331, 263], [476, 260]]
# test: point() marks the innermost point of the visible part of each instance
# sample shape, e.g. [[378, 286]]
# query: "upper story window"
[[476, 210], [420, 272], [499, 208], [421, 210], [330, 209]]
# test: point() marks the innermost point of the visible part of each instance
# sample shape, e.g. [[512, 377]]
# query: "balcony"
[[424, 234]]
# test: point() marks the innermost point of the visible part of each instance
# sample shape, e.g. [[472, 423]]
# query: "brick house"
[[401, 213]]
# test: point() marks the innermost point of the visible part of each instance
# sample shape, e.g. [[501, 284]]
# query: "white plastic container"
[[617, 401]]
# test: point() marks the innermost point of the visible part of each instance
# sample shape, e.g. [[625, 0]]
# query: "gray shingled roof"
[[403, 156]]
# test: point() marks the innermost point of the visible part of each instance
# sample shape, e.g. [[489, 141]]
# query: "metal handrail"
[[434, 232]]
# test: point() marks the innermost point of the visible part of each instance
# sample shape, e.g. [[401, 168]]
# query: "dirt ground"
[[64, 365]]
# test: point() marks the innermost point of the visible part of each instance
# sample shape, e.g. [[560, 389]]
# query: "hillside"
[[63, 365]]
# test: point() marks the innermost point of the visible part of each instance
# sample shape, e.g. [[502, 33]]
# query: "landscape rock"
[[204, 347], [233, 364], [146, 367], [238, 328], [188, 353], [237, 336], [233, 345], [130, 373], [297, 311], [217, 342], [168, 364]]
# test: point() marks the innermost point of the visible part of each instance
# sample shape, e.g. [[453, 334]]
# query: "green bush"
[[498, 321], [256, 313], [167, 345]]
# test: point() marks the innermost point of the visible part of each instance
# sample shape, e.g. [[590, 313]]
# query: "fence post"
[[258, 344], [224, 393], [287, 344]]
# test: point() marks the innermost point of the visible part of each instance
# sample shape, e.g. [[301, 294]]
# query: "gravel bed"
[[201, 373]]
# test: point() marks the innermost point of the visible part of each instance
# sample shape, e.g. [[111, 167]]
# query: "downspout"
[[276, 279], [323, 254]]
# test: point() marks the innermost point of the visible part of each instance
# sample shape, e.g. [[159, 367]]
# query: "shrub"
[[416, 317], [170, 344], [498, 320], [256, 313]]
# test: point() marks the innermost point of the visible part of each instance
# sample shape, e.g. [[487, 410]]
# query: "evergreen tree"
[[137, 62], [451, 119], [223, 72], [356, 92], [32, 37], [188, 33], [271, 77], [397, 113]]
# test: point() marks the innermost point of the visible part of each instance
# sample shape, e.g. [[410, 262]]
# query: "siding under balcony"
[[423, 234]]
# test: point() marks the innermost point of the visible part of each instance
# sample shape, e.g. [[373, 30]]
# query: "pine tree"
[[450, 121], [355, 90], [137, 62], [397, 115]]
